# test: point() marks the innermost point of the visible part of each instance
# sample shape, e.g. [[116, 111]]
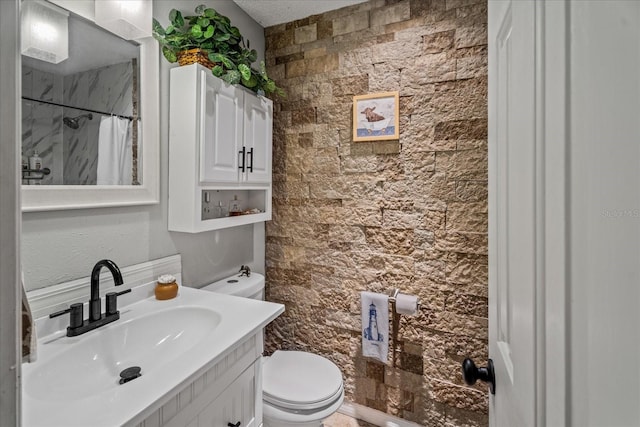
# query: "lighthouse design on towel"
[[375, 325], [371, 332]]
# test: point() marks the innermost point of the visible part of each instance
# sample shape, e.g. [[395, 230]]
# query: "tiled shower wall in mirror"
[[42, 123], [71, 154]]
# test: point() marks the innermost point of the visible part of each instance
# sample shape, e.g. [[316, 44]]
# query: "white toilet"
[[299, 388]]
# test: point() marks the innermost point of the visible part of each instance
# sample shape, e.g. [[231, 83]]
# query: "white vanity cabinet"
[[200, 355], [219, 149], [227, 393], [236, 405]]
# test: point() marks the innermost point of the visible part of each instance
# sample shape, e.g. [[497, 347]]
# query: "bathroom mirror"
[[90, 120]]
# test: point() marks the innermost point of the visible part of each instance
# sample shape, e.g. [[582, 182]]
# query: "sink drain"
[[130, 374]]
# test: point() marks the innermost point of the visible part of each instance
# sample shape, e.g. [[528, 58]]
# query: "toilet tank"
[[241, 286]]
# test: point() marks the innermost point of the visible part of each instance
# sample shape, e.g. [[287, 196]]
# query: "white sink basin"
[[75, 381], [150, 341]]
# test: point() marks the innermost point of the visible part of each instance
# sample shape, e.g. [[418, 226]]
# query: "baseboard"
[[374, 416], [52, 298]]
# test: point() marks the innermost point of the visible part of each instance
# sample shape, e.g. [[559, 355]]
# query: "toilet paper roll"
[[407, 304]]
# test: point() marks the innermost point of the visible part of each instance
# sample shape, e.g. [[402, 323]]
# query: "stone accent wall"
[[409, 214]]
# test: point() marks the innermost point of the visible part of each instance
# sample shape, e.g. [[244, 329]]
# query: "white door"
[[220, 129], [512, 212], [605, 213], [10, 215], [258, 123], [564, 245]]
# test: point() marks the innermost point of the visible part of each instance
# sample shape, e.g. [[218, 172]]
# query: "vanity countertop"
[[74, 381]]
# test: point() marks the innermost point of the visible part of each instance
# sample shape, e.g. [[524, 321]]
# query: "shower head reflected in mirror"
[[74, 122]]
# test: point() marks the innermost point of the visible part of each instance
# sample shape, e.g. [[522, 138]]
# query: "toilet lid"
[[296, 379]]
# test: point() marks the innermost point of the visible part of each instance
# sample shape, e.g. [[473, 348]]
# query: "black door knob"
[[234, 425], [471, 373]]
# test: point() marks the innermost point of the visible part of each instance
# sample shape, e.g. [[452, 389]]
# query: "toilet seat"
[[300, 381], [275, 416]]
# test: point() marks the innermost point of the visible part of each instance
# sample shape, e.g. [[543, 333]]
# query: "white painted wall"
[[64, 245]]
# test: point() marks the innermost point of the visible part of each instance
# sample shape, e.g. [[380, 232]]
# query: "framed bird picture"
[[375, 117]]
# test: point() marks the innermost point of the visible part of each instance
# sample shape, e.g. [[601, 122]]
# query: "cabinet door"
[[258, 123], [220, 129], [237, 403]]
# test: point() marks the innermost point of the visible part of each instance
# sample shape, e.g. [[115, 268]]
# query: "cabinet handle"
[[250, 167], [243, 152], [234, 425]]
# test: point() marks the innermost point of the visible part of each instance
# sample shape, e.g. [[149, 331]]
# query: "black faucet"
[[95, 309], [77, 324]]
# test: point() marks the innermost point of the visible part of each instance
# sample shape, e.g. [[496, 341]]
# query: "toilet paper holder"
[[393, 296], [395, 325]]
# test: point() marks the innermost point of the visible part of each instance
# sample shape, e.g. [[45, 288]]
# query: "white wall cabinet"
[[258, 125], [221, 125], [235, 133], [219, 149]]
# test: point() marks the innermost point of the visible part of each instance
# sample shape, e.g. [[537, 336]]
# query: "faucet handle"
[[59, 313], [112, 301], [77, 314]]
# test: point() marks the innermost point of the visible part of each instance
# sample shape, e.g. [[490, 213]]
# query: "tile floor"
[[340, 420]]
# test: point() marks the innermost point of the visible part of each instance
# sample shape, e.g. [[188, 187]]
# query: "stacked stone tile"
[[408, 214]]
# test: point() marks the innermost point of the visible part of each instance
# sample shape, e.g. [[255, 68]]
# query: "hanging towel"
[[29, 338], [114, 152], [375, 325]]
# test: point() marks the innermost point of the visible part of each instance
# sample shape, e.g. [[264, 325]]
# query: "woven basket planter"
[[193, 56]]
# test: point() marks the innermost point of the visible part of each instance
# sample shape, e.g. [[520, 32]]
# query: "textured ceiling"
[[273, 12]]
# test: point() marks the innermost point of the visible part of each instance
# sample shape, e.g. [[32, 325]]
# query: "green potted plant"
[[209, 38]]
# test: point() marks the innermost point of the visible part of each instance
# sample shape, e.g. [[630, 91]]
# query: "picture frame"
[[376, 117]]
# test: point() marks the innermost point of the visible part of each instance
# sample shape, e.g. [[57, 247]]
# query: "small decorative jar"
[[166, 288]]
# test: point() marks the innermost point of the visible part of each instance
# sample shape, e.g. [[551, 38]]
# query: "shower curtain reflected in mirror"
[[114, 152]]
